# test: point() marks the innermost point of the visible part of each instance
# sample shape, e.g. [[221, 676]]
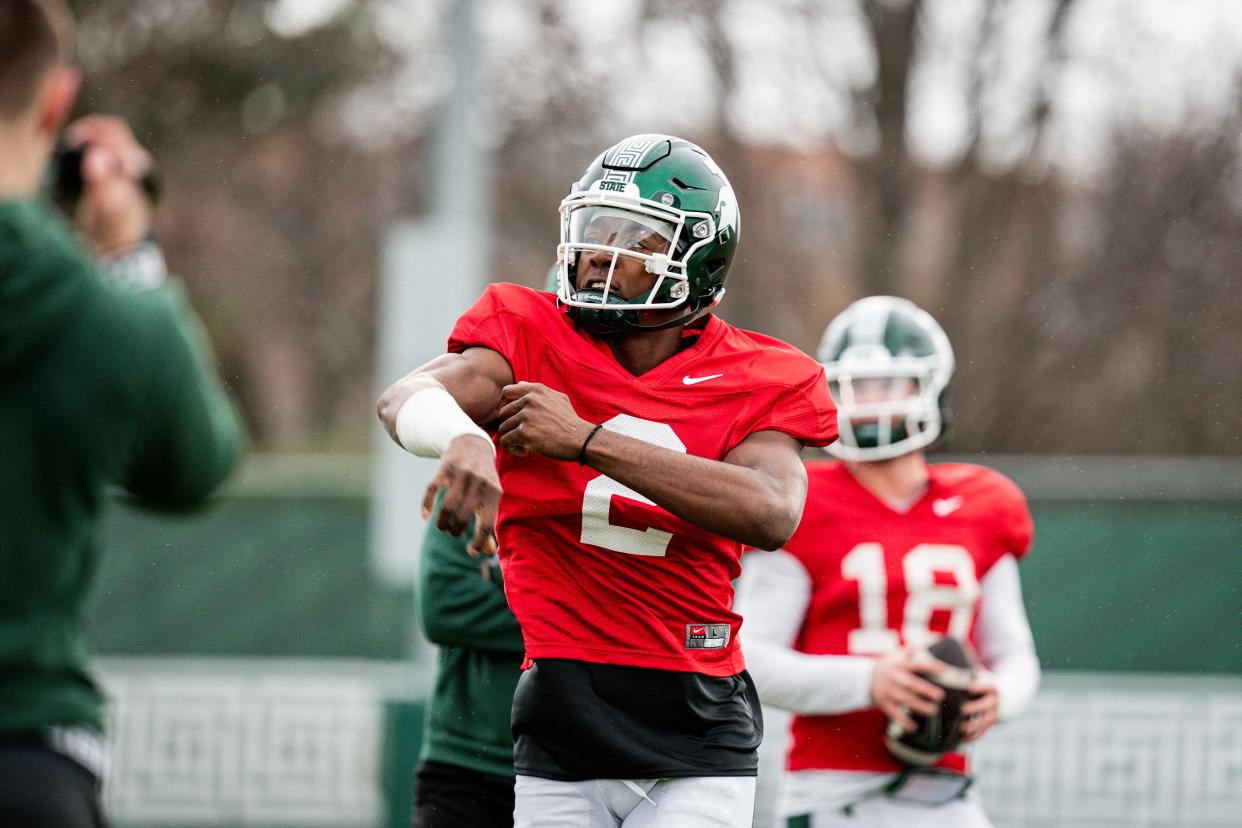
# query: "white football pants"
[[693, 802], [882, 812]]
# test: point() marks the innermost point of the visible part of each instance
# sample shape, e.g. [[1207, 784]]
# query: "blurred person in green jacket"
[[101, 384], [466, 773]]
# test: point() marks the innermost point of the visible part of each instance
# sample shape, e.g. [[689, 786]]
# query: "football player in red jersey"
[[891, 554], [642, 442]]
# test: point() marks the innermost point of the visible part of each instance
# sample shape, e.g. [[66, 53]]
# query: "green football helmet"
[[660, 200], [888, 363]]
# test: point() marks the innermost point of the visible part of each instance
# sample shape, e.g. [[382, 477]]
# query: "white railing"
[[248, 742], [1138, 752], [256, 742], [1100, 750]]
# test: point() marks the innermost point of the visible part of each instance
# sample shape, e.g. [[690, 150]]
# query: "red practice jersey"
[[594, 571], [882, 579]]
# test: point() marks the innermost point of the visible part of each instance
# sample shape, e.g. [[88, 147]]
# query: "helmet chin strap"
[[684, 319], [679, 322], [601, 328]]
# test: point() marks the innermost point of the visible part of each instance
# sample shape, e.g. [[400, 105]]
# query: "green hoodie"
[[463, 609], [99, 386]]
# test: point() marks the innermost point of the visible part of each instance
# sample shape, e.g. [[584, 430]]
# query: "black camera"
[[65, 177]]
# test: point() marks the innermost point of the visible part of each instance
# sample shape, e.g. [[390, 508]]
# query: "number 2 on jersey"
[[865, 564], [597, 499]]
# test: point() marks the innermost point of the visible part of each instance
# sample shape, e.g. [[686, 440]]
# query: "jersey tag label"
[[707, 636]]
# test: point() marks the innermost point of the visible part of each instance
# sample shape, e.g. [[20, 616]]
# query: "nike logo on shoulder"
[[947, 506], [689, 380]]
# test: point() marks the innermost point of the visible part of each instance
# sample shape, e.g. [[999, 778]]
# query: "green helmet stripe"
[[870, 329]]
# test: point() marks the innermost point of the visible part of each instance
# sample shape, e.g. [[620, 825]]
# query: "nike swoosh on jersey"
[[689, 380], [947, 506]]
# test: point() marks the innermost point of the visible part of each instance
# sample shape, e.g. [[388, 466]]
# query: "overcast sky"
[[1143, 63]]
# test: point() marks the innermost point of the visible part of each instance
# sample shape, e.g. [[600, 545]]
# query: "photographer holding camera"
[[103, 178], [100, 385]]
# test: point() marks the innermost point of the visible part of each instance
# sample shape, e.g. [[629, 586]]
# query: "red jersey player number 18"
[[640, 442], [892, 556]]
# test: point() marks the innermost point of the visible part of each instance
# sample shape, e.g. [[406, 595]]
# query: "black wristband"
[[582, 451]]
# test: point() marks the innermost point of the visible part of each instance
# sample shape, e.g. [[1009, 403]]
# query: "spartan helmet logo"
[[727, 206]]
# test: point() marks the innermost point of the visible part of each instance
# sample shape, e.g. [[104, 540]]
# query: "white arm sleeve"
[[1004, 639], [430, 419], [773, 597]]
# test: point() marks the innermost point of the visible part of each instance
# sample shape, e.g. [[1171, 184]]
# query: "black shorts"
[[40, 787], [574, 720], [450, 796]]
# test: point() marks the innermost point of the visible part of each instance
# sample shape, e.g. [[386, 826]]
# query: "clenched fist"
[[535, 418]]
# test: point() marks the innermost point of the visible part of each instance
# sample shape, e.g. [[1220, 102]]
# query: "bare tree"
[[1096, 314]]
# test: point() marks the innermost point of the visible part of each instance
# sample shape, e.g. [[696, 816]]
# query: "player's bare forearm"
[[474, 378], [755, 496]]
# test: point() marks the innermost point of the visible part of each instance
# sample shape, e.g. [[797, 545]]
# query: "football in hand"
[[938, 734]]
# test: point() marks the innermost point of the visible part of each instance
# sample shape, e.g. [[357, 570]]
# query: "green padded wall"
[[1147, 586], [249, 577], [1134, 584]]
